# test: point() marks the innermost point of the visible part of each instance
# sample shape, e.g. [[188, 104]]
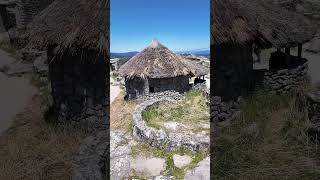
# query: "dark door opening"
[[151, 89]]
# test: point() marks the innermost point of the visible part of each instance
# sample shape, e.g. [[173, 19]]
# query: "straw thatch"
[[72, 25], [240, 21], [156, 61], [196, 68]]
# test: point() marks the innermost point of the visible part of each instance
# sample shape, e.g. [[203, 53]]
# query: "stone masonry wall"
[[179, 84], [282, 81], [79, 89], [135, 88], [231, 71], [223, 110]]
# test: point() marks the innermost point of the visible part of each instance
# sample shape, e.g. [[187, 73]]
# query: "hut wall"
[[7, 14], [231, 70], [138, 87], [79, 88], [135, 87], [179, 84]]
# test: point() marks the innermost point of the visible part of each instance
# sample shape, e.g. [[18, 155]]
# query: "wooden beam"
[[300, 50]]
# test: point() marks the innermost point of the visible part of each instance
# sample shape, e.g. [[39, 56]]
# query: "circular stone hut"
[[157, 69], [74, 33], [237, 25]]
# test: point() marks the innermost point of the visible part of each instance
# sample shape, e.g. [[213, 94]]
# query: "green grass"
[[171, 170], [193, 110], [267, 141]]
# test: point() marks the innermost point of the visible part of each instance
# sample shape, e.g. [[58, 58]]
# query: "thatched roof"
[[156, 61], [72, 25], [240, 21], [195, 67]]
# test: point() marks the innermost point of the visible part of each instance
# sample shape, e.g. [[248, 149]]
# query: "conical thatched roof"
[[239, 21], [72, 25], [155, 61]]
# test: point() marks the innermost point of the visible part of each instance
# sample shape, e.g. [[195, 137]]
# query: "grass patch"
[[267, 141], [193, 110], [121, 113], [34, 149], [171, 170]]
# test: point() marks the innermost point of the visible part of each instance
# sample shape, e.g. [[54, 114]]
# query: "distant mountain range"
[[197, 52], [123, 55]]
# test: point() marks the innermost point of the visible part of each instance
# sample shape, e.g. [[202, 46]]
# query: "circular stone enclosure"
[[161, 139]]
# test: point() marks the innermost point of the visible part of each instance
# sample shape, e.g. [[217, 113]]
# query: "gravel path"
[[15, 93], [114, 91]]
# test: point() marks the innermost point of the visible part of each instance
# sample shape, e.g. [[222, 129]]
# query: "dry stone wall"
[[155, 96], [282, 81], [137, 87], [79, 89], [159, 138], [223, 110]]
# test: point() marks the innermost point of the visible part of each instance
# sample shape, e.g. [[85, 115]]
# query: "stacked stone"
[[199, 86], [156, 96], [79, 92], [282, 81], [159, 138], [223, 110], [313, 110]]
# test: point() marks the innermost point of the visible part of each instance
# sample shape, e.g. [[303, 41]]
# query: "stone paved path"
[[14, 94]]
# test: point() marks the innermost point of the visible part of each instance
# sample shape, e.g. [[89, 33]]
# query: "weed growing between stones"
[[171, 169], [269, 134]]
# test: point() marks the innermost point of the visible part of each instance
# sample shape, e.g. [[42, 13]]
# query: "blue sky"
[[178, 24]]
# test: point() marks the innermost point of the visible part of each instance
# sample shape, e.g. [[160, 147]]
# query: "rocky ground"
[[128, 163], [15, 92]]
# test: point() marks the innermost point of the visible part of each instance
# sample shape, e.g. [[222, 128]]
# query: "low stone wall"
[[154, 96], [199, 86], [223, 110], [159, 138], [90, 162], [282, 81]]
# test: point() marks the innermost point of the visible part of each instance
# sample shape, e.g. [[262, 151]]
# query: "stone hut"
[[7, 15], [75, 36], [236, 27], [157, 69]]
